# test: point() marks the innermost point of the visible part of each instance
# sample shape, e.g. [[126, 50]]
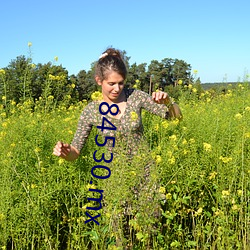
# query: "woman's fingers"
[[160, 97], [61, 149]]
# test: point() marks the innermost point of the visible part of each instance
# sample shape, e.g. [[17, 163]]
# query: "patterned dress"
[[131, 184]]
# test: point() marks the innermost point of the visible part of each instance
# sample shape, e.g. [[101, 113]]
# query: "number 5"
[[105, 141]]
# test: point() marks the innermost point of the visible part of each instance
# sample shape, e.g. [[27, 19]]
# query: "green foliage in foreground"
[[202, 164]]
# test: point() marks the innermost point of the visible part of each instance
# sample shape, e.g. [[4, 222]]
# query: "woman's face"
[[112, 86]]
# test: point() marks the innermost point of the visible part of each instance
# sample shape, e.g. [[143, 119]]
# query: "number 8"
[[109, 109]]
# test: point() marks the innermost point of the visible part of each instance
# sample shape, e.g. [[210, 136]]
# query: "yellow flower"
[[61, 161], [238, 116], [108, 215], [218, 212], [90, 186], [33, 66], [156, 127], [225, 193], [180, 82], [133, 116], [33, 186], [191, 140], [184, 141], [164, 124], [135, 86], [137, 81], [51, 77], [235, 207], [198, 212], [247, 135], [3, 97], [207, 147], [239, 192], [158, 159], [96, 96], [2, 217], [246, 108], [173, 137], [168, 196], [225, 159], [190, 86], [162, 190], [2, 72], [73, 85], [4, 124], [37, 149], [56, 58], [212, 175], [133, 173], [171, 160], [50, 97], [29, 44], [175, 122], [13, 103], [194, 90], [195, 71]]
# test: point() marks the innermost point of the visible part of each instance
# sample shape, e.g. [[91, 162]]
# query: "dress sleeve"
[[83, 129], [151, 106]]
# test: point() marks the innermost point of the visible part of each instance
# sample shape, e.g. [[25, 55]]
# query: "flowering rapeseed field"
[[202, 166]]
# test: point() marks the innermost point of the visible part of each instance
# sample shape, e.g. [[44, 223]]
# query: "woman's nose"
[[116, 87]]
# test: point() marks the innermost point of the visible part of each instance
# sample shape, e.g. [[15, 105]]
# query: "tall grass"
[[201, 166]]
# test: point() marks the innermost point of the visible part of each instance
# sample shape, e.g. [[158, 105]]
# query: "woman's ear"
[[98, 80]]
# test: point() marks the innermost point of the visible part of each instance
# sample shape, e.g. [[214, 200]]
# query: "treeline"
[[22, 79]]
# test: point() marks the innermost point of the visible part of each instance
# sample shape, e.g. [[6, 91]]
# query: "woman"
[[110, 74]]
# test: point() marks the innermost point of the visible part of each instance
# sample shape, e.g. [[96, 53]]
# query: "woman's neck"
[[120, 99]]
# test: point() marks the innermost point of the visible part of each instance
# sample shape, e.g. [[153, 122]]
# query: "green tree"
[[86, 84], [18, 79]]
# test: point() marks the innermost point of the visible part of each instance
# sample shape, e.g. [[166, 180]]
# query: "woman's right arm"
[[70, 152], [66, 151]]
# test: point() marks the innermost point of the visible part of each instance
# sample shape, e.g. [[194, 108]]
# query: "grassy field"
[[202, 166]]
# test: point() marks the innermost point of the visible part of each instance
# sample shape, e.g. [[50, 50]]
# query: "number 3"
[[108, 161]]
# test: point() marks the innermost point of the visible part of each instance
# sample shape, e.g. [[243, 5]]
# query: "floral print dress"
[[130, 182]]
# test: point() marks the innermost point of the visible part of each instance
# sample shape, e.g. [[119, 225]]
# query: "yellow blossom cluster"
[[225, 193], [164, 124], [96, 96], [180, 82], [212, 175], [225, 159], [162, 190], [2, 72], [238, 116], [57, 78], [207, 147]]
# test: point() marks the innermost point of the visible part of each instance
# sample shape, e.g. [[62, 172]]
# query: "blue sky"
[[212, 36]]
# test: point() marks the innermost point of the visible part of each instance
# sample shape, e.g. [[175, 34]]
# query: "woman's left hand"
[[161, 97]]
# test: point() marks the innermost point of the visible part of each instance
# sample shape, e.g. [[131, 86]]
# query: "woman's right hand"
[[61, 149], [66, 151]]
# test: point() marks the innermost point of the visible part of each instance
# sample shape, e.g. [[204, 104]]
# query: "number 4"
[[103, 127]]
